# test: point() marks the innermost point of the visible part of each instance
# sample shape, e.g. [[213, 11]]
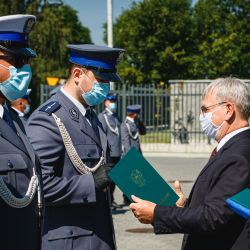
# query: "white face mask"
[[207, 125]]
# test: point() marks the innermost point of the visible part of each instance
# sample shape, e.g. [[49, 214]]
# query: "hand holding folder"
[[134, 175]]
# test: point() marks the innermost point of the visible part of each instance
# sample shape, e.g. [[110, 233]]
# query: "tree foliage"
[[57, 25], [221, 35], [167, 39], [155, 34]]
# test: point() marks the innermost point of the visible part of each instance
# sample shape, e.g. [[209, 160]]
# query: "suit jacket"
[[20, 227], [76, 215], [114, 139], [129, 141], [207, 221]]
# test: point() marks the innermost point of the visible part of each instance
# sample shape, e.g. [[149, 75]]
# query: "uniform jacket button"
[[10, 164]]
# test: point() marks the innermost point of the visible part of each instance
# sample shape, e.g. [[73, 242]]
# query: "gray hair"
[[231, 89]]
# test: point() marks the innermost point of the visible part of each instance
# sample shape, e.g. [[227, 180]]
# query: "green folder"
[[133, 174], [240, 203], [242, 198]]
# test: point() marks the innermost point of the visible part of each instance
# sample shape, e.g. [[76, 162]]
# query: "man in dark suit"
[[206, 220], [73, 149], [20, 201]]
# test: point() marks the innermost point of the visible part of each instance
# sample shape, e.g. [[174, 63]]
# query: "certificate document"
[[133, 174]]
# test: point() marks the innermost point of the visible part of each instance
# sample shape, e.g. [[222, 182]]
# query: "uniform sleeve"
[[45, 137], [141, 127], [213, 213], [125, 138], [103, 122]]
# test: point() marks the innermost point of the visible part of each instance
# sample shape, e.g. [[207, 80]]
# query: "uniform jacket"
[[23, 118], [114, 139], [19, 226], [207, 221], [129, 141], [76, 216]]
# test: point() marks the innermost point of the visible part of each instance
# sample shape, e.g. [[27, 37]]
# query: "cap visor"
[[20, 51], [111, 77], [24, 52]]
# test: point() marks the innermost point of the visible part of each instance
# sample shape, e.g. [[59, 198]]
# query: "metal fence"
[[170, 111]]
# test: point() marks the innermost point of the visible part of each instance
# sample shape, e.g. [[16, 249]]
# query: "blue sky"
[[93, 13]]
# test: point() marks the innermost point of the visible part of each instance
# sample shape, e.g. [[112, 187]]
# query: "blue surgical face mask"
[[17, 84], [97, 94], [207, 125], [27, 109], [112, 106]]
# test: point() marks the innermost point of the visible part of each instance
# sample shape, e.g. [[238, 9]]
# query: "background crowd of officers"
[[121, 135], [54, 184]]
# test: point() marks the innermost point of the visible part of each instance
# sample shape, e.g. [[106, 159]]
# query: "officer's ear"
[[76, 73]]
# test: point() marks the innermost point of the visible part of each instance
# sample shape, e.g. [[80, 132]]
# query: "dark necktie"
[[8, 120], [214, 152], [92, 121]]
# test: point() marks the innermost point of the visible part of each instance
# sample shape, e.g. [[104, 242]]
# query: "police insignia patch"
[[74, 114], [50, 107]]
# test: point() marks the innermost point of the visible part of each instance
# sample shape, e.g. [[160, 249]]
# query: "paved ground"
[[185, 169]]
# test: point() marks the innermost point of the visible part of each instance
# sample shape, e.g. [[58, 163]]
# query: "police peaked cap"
[[14, 31], [134, 109], [27, 95], [101, 60]]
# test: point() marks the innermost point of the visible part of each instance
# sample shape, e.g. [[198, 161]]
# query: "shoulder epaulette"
[[50, 107]]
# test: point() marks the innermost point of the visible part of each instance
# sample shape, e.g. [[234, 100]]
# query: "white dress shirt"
[[79, 105], [130, 119], [20, 114], [109, 111], [227, 137], [1, 111]]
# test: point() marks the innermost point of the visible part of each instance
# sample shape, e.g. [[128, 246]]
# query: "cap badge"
[[28, 25]]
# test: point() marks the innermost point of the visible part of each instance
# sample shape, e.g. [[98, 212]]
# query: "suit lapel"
[[103, 137], [227, 145], [88, 130], [210, 161], [7, 133], [26, 142]]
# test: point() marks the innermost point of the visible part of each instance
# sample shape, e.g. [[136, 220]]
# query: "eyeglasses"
[[205, 109], [17, 61]]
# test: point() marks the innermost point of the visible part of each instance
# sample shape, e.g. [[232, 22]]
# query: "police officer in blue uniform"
[[131, 128], [74, 153], [111, 125], [20, 199], [22, 106]]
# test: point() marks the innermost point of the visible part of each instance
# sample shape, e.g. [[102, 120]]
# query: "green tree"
[[155, 35], [57, 25], [221, 35]]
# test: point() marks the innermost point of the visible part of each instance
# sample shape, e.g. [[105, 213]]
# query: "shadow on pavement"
[[119, 211]]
